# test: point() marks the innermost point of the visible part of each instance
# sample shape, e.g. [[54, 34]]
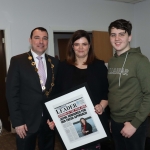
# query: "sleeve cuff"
[[136, 122]]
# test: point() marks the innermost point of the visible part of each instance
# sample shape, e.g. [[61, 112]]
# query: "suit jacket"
[[23, 91]]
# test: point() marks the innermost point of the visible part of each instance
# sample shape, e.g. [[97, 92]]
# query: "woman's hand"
[[85, 132], [51, 124], [99, 109]]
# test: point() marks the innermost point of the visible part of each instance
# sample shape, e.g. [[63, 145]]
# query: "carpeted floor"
[[8, 141]]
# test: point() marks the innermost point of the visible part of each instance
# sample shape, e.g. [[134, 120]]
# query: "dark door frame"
[[4, 113]]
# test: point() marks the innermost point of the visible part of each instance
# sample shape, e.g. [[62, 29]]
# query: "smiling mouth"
[[117, 44], [40, 46], [80, 51]]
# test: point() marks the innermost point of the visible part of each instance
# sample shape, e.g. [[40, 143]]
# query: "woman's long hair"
[[70, 54]]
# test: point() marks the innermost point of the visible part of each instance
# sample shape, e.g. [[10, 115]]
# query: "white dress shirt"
[[37, 61]]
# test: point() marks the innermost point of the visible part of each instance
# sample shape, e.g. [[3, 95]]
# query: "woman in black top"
[[82, 66]]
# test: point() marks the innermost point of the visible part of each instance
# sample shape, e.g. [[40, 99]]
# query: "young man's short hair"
[[121, 24]]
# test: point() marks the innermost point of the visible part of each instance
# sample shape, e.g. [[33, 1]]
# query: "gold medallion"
[[36, 69], [52, 66], [52, 84], [47, 93], [33, 63], [30, 58], [49, 59]]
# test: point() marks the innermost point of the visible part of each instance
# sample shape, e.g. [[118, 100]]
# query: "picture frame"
[[68, 110]]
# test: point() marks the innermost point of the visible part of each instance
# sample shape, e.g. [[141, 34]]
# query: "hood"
[[131, 50]]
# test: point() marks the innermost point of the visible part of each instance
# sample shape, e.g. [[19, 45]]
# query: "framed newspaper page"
[[70, 112]]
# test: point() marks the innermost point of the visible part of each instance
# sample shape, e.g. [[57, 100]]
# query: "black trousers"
[[135, 142], [45, 136]]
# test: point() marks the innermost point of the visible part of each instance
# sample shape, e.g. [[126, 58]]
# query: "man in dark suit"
[[27, 90]]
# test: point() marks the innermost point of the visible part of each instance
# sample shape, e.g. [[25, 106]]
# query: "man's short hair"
[[121, 24], [38, 28]]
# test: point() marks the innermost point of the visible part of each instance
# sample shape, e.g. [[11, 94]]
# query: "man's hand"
[[51, 124], [128, 130], [21, 130]]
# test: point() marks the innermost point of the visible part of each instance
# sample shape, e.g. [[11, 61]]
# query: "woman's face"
[[81, 48], [83, 121]]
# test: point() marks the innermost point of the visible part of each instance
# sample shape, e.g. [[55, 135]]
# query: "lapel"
[[35, 74]]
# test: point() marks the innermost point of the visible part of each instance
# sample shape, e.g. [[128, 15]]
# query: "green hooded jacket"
[[129, 87]]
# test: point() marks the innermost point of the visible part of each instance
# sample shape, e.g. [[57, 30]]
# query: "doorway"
[[4, 113], [61, 40]]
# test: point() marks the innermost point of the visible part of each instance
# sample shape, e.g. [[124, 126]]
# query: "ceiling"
[[129, 1]]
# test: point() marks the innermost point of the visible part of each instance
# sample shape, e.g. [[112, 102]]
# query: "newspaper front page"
[[69, 112]]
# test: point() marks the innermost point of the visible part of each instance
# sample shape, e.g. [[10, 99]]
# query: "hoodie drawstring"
[[122, 68]]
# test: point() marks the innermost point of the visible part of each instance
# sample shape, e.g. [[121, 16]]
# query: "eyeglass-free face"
[[81, 48], [120, 40]]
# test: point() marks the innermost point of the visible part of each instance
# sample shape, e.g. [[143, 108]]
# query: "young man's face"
[[120, 40], [39, 41]]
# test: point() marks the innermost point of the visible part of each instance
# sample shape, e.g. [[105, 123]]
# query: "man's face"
[[120, 40], [39, 41]]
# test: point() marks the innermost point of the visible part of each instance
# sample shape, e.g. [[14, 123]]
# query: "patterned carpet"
[[8, 141]]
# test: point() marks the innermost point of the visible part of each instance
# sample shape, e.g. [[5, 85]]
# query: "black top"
[[95, 76], [79, 76]]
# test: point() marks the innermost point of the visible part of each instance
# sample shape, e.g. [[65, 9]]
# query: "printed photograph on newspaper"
[[69, 112]]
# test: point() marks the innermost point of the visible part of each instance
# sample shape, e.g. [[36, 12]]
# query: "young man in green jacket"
[[129, 89]]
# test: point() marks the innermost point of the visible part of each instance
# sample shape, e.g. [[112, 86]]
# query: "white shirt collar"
[[35, 55]]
